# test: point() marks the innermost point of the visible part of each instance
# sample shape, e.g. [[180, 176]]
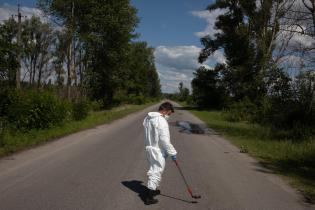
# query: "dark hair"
[[166, 106]]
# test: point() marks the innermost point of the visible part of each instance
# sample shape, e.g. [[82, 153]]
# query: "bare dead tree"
[[38, 40], [300, 23]]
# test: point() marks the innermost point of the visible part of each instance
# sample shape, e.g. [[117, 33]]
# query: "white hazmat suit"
[[157, 145]]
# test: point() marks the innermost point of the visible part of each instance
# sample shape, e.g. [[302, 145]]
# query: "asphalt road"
[[105, 168]]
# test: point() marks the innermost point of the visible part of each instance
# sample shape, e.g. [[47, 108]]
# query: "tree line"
[[77, 56], [83, 48], [268, 76]]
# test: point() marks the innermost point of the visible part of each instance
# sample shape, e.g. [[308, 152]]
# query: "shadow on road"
[[138, 187], [179, 199]]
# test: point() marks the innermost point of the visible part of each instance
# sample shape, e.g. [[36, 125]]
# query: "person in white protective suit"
[[157, 146]]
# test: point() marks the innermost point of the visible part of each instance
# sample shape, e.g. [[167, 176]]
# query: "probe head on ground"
[[196, 196]]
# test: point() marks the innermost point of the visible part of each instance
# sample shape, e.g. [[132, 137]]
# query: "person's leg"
[[157, 165], [151, 186], [162, 164]]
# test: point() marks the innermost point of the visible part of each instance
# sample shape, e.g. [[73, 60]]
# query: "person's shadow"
[[138, 187]]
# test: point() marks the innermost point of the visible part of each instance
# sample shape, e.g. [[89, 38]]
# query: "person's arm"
[[164, 135]]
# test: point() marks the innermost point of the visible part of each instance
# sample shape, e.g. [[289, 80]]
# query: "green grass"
[[12, 142], [295, 160]]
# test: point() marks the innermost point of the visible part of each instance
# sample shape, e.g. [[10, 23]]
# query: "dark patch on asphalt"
[[193, 128]]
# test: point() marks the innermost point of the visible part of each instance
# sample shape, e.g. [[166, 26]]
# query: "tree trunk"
[[40, 71], [31, 70], [69, 71], [34, 69], [80, 65]]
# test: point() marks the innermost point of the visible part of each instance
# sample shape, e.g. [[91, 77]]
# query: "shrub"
[[240, 111], [96, 105], [80, 110], [289, 107], [3, 128], [122, 98], [190, 101], [136, 99], [288, 119], [32, 109], [47, 110]]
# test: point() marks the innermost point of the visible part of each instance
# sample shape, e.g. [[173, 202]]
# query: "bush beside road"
[[15, 140]]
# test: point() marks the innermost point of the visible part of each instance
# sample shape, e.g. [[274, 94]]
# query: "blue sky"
[[170, 23], [173, 28], [162, 22]]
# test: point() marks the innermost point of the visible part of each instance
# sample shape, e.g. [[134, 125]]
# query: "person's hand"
[[173, 157]]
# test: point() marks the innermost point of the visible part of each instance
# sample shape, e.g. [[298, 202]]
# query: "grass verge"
[[11, 142], [295, 160]]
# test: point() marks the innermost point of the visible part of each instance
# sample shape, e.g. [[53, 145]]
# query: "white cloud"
[[302, 40], [179, 57], [177, 64], [290, 61], [210, 17], [219, 57], [170, 78]]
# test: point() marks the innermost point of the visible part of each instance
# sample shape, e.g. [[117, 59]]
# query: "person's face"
[[165, 112]]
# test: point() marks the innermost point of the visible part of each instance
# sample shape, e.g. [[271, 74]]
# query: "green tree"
[[247, 36], [183, 92], [8, 52], [68, 14], [142, 77], [110, 28], [207, 90], [255, 36], [38, 40], [106, 27]]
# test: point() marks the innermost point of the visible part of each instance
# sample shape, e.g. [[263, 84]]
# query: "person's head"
[[166, 109]]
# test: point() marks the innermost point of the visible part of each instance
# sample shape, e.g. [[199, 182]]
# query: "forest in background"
[[268, 76], [79, 55]]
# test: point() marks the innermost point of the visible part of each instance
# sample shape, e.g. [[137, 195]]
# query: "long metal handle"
[[181, 173]]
